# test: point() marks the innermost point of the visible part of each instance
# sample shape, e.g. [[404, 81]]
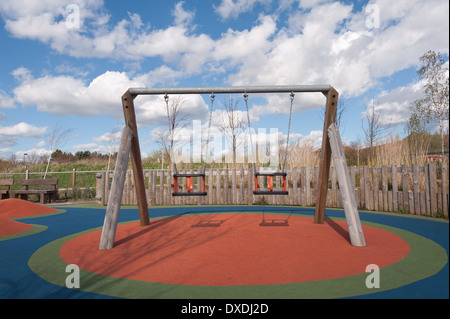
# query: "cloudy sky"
[[66, 63]]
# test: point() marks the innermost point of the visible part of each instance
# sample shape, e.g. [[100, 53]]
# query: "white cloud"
[[324, 42], [91, 147], [6, 102], [65, 95], [41, 144], [392, 107], [182, 16], [233, 8], [108, 137], [32, 154], [22, 129], [10, 134]]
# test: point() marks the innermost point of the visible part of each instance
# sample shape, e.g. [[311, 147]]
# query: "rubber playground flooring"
[[219, 252]]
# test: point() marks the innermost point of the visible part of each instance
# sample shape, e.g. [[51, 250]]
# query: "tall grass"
[[393, 151], [303, 154]]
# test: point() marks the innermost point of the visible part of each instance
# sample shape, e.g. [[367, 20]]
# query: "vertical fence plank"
[[375, 188], [427, 190], [362, 188], [367, 189], [242, 193], [433, 193], [405, 188], [445, 182], [416, 189], [394, 189], [308, 186], [294, 187], [384, 187]]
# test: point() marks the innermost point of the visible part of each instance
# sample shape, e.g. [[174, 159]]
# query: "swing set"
[[129, 145], [189, 177]]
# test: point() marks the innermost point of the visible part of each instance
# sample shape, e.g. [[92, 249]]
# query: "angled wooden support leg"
[[115, 196], [136, 161], [325, 157], [347, 193]]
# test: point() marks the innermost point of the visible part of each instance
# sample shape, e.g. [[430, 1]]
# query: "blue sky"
[[55, 73]]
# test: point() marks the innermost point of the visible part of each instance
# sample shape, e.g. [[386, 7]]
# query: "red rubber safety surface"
[[14, 208], [233, 249]]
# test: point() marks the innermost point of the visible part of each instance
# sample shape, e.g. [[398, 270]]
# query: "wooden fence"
[[419, 190]]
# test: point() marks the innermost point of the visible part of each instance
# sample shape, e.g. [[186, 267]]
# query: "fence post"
[[384, 186], [432, 183], [405, 188], [416, 189], [73, 177], [445, 188]]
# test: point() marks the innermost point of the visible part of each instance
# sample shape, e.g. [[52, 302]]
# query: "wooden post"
[[445, 188], [394, 189], [433, 188], [136, 162], [346, 190], [325, 156], [385, 188], [416, 188], [73, 177], [115, 195]]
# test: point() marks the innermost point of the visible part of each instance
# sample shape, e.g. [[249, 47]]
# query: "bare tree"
[[372, 127], [56, 139], [177, 120], [111, 142], [233, 124]]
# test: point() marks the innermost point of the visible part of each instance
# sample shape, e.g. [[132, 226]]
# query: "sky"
[[65, 65]]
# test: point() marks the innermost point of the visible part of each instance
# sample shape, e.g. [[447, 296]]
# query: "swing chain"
[[289, 131], [212, 96], [166, 99], [249, 126]]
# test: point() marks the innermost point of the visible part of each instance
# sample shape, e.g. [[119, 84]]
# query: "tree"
[[55, 140], [176, 121], [373, 129], [233, 124], [435, 104]]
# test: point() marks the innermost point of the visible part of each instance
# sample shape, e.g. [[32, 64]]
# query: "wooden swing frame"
[[129, 145]]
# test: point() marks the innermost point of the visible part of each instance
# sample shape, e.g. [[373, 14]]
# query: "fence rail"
[[419, 190]]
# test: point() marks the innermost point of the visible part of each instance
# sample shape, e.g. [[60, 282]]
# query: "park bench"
[[7, 183], [45, 188]]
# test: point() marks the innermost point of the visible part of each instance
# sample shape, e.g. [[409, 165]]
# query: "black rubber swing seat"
[[189, 193], [270, 193]]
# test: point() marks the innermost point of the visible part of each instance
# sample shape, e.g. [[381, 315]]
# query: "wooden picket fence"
[[418, 190]]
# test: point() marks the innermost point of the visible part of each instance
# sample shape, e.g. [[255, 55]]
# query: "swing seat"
[[270, 190], [190, 186], [275, 222], [189, 193]]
